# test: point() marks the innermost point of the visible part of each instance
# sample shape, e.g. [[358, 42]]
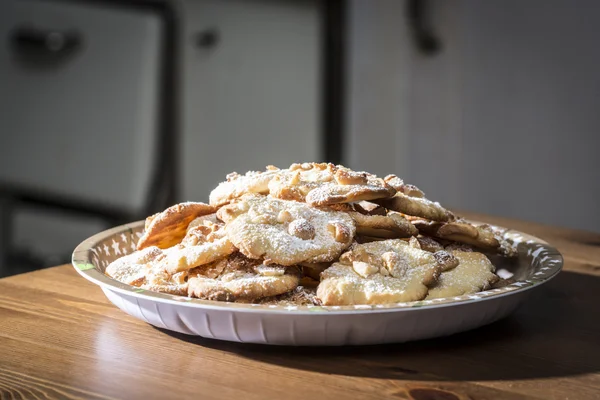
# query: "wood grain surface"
[[60, 338]]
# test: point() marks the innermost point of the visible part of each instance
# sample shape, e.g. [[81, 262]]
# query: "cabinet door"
[[81, 125], [251, 99]]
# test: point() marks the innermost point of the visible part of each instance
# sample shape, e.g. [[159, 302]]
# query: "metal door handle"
[[207, 39], [424, 37], [28, 40]]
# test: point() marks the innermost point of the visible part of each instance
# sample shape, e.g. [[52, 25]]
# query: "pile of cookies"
[[313, 233]]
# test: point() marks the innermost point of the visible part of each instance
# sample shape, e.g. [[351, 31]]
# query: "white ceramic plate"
[[537, 263]]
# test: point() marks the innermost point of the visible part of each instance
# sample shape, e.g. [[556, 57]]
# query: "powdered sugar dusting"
[[273, 241], [238, 185]]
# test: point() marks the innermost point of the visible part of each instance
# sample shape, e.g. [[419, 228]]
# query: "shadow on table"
[[555, 333]]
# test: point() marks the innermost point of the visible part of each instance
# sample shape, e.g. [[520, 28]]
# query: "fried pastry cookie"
[[159, 280], [244, 280], [287, 232], [455, 246], [416, 206], [210, 270], [132, 268], [445, 259], [349, 186], [377, 273], [237, 185], [368, 208], [473, 274], [313, 270], [390, 226], [299, 179], [506, 248], [400, 186], [167, 228], [202, 220], [459, 231], [371, 223], [428, 244], [140, 269], [202, 244], [300, 296], [361, 239]]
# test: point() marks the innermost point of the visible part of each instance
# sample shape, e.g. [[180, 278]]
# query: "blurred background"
[[112, 110]]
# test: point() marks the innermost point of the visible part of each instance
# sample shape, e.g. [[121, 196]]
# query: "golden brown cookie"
[[287, 232], [132, 268], [428, 244], [390, 226], [473, 274], [459, 231], [400, 186], [455, 246], [368, 208], [349, 186], [416, 206], [159, 280], [506, 248], [300, 296], [202, 244], [237, 185], [299, 179], [244, 280], [446, 260], [313, 270], [361, 239], [209, 270], [202, 220], [140, 268], [377, 273], [167, 228]]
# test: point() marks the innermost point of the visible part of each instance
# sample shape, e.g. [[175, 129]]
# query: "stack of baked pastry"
[[313, 233]]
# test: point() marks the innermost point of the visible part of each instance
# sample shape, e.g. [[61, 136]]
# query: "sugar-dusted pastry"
[[428, 244], [202, 244], [300, 296], [287, 232], [313, 270], [243, 280], [202, 220], [368, 208], [167, 228], [159, 280], [400, 186], [132, 268], [445, 259], [299, 179], [237, 185], [141, 268], [390, 226], [379, 272], [349, 186], [506, 248], [474, 273], [416, 206], [459, 231], [375, 224]]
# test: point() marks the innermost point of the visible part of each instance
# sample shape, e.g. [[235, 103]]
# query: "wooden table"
[[60, 338]]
